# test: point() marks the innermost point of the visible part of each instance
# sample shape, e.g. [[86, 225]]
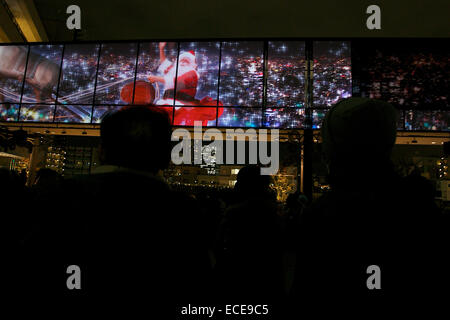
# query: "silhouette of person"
[[249, 268], [371, 216], [137, 243]]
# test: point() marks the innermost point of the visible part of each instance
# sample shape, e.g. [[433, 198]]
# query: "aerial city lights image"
[[94, 79]]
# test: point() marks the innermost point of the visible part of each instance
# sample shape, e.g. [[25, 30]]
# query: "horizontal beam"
[[422, 138], [28, 20]]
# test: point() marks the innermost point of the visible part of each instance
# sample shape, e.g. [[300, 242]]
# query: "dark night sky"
[[179, 19]]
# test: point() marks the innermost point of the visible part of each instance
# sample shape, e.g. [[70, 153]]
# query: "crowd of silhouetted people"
[[141, 244]]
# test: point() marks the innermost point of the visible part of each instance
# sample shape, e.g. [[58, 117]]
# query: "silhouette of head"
[[250, 180], [296, 199], [359, 130], [136, 137], [47, 177]]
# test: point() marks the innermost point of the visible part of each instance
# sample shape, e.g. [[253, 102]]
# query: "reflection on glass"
[[332, 72], [116, 70], [12, 68], [240, 117], [73, 113], [78, 73], [42, 75], [9, 112], [37, 113], [284, 118], [286, 74], [241, 73]]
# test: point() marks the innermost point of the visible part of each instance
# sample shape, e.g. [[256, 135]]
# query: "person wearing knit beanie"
[[358, 133]]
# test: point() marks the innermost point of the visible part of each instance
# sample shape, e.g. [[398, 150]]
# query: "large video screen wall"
[[258, 84], [224, 84]]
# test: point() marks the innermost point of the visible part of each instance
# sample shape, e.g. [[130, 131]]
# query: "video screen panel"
[[407, 75], [284, 118], [286, 74], [197, 74], [13, 60], [37, 112], [156, 59], [41, 80], [416, 120], [332, 72], [241, 117], [226, 79], [187, 116], [317, 118], [73, 113], [101, 111], [9, 112], [116, 69], [241, 73], [79, 69]]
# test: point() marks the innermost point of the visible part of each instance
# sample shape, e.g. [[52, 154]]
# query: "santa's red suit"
[[186, 89]]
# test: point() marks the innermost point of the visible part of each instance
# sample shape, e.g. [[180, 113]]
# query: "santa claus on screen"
[[186, 89], [187, 79]]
